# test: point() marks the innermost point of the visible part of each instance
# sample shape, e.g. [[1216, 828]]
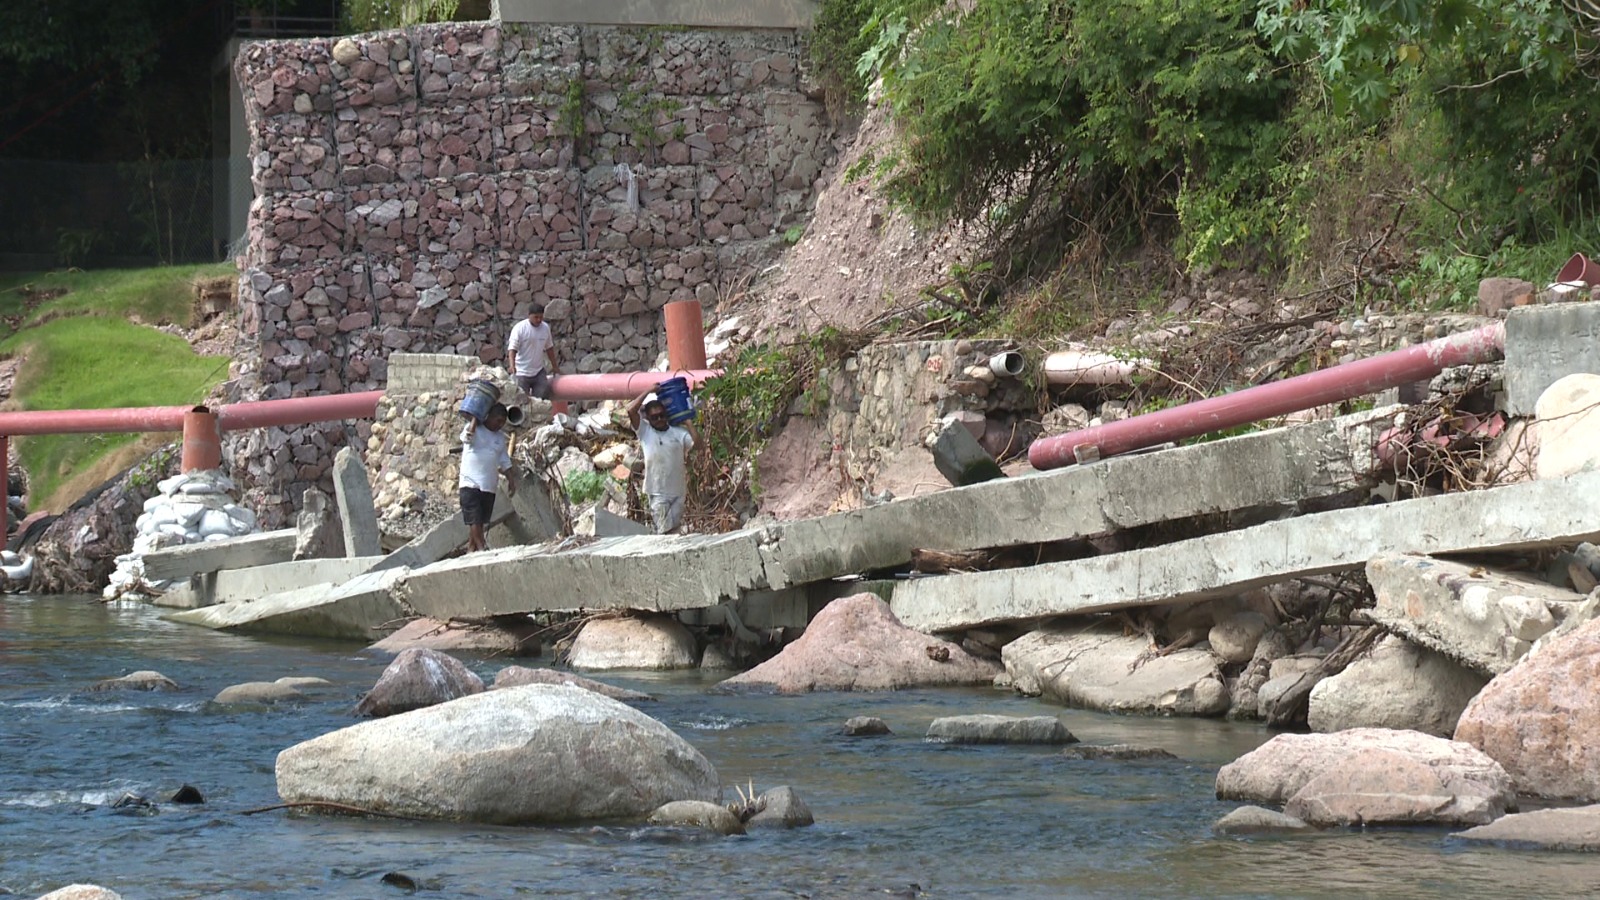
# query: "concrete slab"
[[1283, 466], [357, 610], [357, 514], [1484, 619], [959, 458], [176, 563], [649, 572], [1515, 517], [1545, 344], [534, 518], [231, 585]]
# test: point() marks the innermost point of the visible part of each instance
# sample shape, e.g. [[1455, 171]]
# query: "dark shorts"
[[476, 506], [536, 385]]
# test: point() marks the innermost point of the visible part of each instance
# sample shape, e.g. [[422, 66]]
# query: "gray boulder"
[[1115, 751], [304, 682], [648, 642], [82, 892], [144, 680], [520, 755], [507, 636], [697, 814], [1102, 669], [1398, 685], [258, 692], [865, 726], [1371, 776], [988, 729], [781, 807], [1575, 828], [512, 676], [418, 678], [1234, 639], [1256, 820]]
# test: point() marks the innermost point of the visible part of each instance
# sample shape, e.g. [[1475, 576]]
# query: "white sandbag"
[[215, 521]]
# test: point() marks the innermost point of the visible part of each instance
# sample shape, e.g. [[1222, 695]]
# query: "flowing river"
[[896, 816]]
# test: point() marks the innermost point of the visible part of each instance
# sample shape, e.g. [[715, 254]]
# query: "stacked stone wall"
[[417, 189]]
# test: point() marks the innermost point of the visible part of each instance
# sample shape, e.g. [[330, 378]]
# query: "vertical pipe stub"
[[202, 440], [686, 335]]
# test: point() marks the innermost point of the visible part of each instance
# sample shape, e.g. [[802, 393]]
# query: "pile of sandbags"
[[190, 508]]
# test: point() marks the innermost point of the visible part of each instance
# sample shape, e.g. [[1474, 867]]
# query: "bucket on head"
[[481, 395], [674, 395], [1579, 269]]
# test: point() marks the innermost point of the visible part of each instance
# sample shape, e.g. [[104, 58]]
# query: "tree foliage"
[[376, 15]]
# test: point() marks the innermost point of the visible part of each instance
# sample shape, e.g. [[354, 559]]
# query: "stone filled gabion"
[[417, 190], [189, 508]]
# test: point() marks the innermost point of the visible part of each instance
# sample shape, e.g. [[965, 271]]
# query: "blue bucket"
[[674, 395], [481, 395]]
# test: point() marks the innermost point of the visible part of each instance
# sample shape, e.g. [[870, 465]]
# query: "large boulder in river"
[[418, 678], [1541, 718], [142, 680], [512, 676], [991, 729], [1398, 685], [1371, 776], [522, 755], [1101, 669], [1575, 828], [856, 644], [629, 642], [502, 636]]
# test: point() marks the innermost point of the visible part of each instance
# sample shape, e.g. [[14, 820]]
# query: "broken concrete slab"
[[319, 534], [187, 560], [959, 457], [357, 513], [229, 585], [660, 573], [355, 610], [1514, 517], [1280, 467], [1545, 344], [1484, 619], [533, 516]]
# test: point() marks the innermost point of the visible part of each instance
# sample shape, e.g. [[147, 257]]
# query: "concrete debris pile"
[[189, 509]]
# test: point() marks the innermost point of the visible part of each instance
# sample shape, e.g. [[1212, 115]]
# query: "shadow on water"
[[897, 816]]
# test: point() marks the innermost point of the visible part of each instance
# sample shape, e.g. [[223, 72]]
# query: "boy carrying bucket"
[[483, 460], [666, 471]]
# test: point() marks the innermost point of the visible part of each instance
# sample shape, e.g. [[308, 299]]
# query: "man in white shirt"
[[483, 460], [530, 354], [666, 471]]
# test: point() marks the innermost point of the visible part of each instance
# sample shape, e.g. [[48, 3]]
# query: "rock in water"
[[650, 642], [781, 807], [520, 755], [865, 726], [1545, 829], [512, 676], [418, 678], [1101, 669], [698, 814], [1399, 685], [987, 729], [1255, 820], [857, 644], [143, 680]]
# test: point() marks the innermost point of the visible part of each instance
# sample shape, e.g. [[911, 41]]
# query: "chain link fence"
[[152, 212]]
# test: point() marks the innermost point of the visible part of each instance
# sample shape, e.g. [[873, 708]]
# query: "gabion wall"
[[417, 189]]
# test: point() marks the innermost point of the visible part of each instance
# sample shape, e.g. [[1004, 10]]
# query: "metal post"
[[202, 442]]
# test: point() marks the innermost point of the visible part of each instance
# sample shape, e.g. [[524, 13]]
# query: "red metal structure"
[[1342, 382]]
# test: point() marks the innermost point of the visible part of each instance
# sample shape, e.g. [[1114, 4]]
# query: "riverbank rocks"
[[1371, 776], [1482, 618], [1258, 820], [1575, 828], [1567, 425], [143, 680], [418, 678], [1398, 685], [257, 692], [522, 755], [642, 642], [857, 644], [1541, 719], [989, 729], [697, 814], [1099, 669], [502, 636], [1234, 639], [514, 676]]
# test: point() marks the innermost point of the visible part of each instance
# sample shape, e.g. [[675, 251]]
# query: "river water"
[[896, 816]]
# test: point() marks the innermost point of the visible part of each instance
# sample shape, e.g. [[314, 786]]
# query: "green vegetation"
[[1413, 147], [83, 349], [583, 487], [376, 15]]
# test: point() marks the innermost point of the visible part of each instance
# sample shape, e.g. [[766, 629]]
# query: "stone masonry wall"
[[417, 189]]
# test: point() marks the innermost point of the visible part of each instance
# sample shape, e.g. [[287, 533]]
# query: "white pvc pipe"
[[1068, 367]]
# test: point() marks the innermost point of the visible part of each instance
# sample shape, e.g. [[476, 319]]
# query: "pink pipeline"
[[1342, 382]]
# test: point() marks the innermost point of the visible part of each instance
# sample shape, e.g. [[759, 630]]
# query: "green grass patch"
[[101, 359], [158, 296]]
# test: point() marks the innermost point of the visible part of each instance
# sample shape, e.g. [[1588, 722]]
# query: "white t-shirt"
[[664, 469], [483, 456], [529, 343]]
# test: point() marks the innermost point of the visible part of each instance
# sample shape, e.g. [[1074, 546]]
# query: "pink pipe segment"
[[94, 421], [296, 410], [620, 385], [1352, 379]]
